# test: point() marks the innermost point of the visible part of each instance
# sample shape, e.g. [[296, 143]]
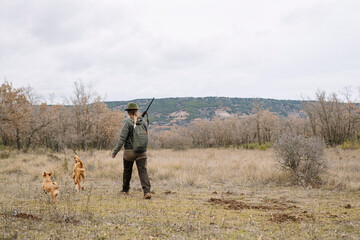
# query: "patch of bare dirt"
[[238, 205], [230, 203], [283, 217], [25, 216], [286, 217], [58, 219]]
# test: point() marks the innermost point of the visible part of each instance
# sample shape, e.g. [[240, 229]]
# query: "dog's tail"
[[81, 163]]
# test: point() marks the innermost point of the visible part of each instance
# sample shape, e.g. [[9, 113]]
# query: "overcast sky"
[[282, 49]]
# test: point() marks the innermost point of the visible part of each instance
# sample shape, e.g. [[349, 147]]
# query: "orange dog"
[[50, 186], [79, 172]]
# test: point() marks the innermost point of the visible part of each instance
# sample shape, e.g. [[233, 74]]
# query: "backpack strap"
[[133, 129], [147, 118]]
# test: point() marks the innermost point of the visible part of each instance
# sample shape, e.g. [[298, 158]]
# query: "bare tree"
[[86, 123], [14, 109], [331, 118], [257, 111]]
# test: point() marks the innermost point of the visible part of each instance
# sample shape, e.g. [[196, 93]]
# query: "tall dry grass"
[[208, 167], [199, 168], [343, 170]]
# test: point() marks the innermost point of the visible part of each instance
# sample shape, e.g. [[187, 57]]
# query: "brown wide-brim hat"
[[132, 106]]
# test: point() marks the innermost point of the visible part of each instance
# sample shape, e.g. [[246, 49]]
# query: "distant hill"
[[180, 111]]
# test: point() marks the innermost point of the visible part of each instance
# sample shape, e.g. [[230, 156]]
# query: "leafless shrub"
[[302, 156]]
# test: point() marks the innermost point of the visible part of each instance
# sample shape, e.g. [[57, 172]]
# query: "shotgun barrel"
[[145, 112]]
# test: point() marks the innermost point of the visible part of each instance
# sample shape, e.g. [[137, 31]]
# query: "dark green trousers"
[[143, 175]]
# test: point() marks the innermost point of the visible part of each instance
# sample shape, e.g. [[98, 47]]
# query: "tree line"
[[332, 118], [86, 122]]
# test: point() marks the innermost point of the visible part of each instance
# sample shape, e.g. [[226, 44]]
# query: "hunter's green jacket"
[[126, 136]]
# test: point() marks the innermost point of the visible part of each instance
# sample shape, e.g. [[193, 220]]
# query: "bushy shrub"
[[302, 156]]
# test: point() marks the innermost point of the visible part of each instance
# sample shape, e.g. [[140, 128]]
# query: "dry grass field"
[[197, 194]]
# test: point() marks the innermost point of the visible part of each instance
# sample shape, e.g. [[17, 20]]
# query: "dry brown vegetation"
[[198, 194], [84, 122]]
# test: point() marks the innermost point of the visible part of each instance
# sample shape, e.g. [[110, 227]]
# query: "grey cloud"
[[278, 49]]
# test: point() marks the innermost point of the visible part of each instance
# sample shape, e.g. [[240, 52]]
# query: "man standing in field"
[[134, 138]]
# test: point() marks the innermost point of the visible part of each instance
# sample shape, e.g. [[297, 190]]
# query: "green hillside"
[[163, 109]]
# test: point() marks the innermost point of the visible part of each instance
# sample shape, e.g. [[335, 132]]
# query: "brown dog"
[[79, 172], [50, 186]]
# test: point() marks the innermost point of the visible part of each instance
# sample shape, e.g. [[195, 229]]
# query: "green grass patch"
[[353, 145]]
